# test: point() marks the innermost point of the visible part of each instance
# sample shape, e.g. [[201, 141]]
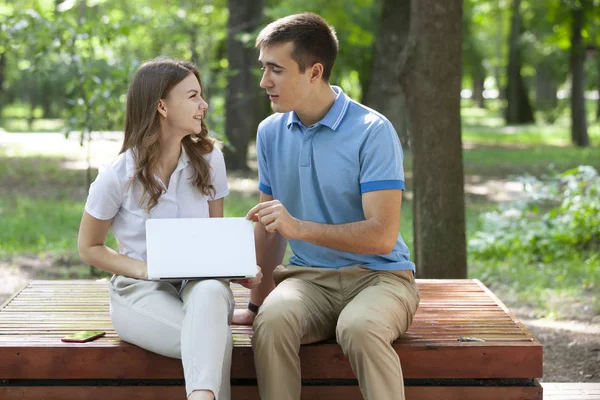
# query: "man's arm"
[[270, 249], [376, 234]]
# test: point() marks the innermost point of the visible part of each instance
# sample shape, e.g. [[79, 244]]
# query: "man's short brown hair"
[[314, 40]]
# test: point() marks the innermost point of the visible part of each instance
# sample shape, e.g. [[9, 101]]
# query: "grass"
[[558, 289], [505, 162], [42, 206], [14, 118], [38, 125], [39, 226]]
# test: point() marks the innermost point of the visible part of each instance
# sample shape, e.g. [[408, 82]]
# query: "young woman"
[[168, 167]]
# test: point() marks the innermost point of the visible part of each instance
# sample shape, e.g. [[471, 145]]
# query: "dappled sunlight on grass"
[[105, 147], [506, 162], [487, 127], [38, 125]]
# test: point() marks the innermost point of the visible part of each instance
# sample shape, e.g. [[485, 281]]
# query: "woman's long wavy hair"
[[153, 81]]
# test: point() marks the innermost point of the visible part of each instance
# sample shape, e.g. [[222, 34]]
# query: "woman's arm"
[[215, 208], [90, 243]]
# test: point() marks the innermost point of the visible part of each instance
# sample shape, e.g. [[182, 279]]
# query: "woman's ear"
[[161, 108]]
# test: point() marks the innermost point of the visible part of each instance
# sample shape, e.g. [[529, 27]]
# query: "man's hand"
[[275, 218], [250, 283], [243, 317]]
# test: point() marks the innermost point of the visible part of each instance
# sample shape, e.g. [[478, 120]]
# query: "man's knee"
[[277, 319], [355, 334]]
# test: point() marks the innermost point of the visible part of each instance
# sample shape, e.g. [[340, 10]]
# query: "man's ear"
[[316, 72], [161, 108]]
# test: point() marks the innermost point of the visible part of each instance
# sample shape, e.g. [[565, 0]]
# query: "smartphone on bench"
[[83, 336]]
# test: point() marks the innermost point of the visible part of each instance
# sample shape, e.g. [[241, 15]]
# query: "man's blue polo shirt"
[[320, 172]]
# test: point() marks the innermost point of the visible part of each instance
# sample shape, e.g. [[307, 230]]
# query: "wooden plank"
[[251, 392], [14, 295], [33, 322], [320, 361]]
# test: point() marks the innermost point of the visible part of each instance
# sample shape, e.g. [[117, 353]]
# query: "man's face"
[[287, 87]]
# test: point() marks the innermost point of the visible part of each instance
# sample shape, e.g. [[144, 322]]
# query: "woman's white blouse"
[[113, 195]]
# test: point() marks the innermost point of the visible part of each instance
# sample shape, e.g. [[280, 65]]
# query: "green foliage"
[[559, 220], [356, 23], [38, 226], [543, 251], [91, 48]]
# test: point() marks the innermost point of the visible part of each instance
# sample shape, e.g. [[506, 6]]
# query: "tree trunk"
[[384, 92], [579, 134], [598, 85], [518, 107], [2, 78], [46, 100], [194, 44], [498, 50], [545, 87], [478, 81], [243, 107], [431, 80], [33, 103]]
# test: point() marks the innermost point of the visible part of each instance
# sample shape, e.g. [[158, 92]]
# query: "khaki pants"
[[189, 322], [365, 310]]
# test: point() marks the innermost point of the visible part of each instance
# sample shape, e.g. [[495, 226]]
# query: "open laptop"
[[188, 248]]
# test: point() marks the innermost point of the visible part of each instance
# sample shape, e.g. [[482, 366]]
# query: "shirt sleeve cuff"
[[381, 185], [220, 195], [265, 189]]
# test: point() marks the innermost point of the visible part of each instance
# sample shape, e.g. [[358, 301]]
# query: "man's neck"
[[320, 104]]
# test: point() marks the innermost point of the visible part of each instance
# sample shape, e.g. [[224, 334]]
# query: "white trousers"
[[186, 320]]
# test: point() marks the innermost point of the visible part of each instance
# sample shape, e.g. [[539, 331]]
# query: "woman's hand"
[[250, 283]]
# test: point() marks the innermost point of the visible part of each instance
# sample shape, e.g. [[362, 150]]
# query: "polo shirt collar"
[[184, 159], [334, 116]]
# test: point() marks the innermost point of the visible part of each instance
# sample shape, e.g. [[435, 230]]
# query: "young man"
[[331, 182]]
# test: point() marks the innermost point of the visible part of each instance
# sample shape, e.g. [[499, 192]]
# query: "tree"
[[431, 79], [2, 78], [579, 134], [518, 107], [598, 84], [243, 95], [384, 93], [473, 55], [6, 23]]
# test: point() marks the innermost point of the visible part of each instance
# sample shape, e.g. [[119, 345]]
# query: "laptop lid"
[[188, 248]]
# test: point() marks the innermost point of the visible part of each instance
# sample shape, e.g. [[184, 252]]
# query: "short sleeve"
[[264, 181], [219, 174], [381, 160], [105, 196]]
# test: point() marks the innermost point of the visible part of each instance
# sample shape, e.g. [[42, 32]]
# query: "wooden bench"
[[35, 364]]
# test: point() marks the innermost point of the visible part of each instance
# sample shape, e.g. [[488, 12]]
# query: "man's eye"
[[262, 68], [277, 71]]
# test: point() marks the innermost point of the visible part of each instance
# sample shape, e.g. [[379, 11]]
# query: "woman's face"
[[183, 108]]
